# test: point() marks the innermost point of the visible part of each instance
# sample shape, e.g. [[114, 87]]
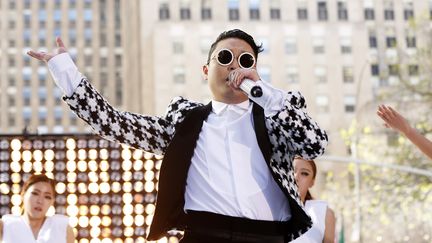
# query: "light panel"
[[108, 190]]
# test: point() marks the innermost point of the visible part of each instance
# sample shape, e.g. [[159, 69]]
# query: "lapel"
[[173, 172]]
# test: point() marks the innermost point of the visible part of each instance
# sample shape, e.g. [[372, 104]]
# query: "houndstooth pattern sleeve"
[[291, 130], [150, 133]]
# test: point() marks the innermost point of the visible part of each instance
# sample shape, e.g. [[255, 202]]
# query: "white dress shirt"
[[228, 174]]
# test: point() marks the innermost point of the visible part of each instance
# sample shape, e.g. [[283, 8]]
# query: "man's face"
[[217, 75]]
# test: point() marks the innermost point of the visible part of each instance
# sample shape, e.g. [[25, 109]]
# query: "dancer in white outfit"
[[323, 218], [38, 194]]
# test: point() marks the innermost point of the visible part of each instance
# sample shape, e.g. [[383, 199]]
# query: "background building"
[[93, 31], [344, 56]]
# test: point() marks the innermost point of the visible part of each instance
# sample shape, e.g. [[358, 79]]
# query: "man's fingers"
[[36, 55], [60, 43]]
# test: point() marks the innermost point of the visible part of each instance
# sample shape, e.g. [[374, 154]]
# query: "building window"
[[11, 61], [12, 81], [318, 45], [11, 100], [206, 13], [11, 120], [118, 60], [388, 10], [27, 4], [119, 92], [322, 102], [373, 43], [369, 14], [346, 45], [393, 69], [413, 70], [233, 10], [292, 74], [12, 24], [103, 61], [320, 74], [430, 9], [391, 41], [375, 70], [322, 11], [254, 12], [205, 43], [342, 10], [302, 10], [12, 4], [164, 13], [275, 13], [178, 47], [264, 73], [179, 75], [408, 10], [347, 74], [185, 12], [290, 45], [411, 42], [349, 103]]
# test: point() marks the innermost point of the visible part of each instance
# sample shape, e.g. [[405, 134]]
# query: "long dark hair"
[[314, 172]]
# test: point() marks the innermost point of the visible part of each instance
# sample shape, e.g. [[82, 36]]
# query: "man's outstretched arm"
[[150, 133]]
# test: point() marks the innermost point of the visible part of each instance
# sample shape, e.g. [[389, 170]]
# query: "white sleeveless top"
[[317, 209], [16, 229]]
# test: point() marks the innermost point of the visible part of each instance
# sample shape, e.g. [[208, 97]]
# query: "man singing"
[[227, 173]]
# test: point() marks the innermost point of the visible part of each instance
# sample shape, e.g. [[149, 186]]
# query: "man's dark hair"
[[239, 34]]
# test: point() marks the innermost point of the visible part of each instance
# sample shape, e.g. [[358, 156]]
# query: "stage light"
[[37, 155], [49, 166], [16, 156], [83, 221], [92, 165], [93, 154], [127, 187], [82, 154], [37, 167], [16, 178], [148, 165], [60, 188], [4, 190], [71, 155], [15, 166], [149, 186], [27, 166], [104, 187], [93, 188], [95, 232], [82, 165], [72, 210], [26, 155], [104, 165]]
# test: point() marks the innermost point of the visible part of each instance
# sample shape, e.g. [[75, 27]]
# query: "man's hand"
[[44, 56], [237, 76]]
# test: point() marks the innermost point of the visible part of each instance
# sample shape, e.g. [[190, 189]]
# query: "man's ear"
[[205, 71]]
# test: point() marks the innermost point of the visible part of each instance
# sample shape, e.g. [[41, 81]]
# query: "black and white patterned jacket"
[[280, 136]]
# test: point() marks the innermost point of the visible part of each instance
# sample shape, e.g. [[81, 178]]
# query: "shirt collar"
[[219, 108]]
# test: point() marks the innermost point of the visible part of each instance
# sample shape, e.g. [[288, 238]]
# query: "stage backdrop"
[[108, 190]]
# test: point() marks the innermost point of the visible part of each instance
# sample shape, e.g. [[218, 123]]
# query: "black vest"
[[169, 212]]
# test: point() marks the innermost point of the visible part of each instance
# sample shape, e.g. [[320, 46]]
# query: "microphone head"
[[256, 92]]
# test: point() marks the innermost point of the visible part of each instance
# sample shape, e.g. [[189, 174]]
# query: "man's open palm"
[[46, 56]]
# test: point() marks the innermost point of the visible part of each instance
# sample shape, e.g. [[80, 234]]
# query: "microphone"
[[251, 88]]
